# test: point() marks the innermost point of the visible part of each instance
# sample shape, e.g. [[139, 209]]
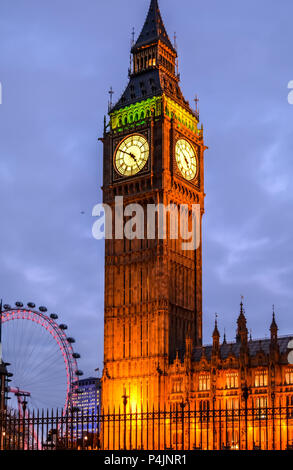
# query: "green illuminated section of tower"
[[136, 113]]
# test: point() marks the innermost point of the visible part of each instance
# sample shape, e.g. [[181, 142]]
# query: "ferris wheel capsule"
[[54, 316], [63, 327], [71, 340], [79, 373], [43, 309], [31, 305], [6, 307], [76, 356], [19, 304]]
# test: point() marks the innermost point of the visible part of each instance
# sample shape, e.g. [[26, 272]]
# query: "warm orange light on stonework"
[[165, 389]]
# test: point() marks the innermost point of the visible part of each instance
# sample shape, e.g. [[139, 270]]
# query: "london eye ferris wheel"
[[42, 363]]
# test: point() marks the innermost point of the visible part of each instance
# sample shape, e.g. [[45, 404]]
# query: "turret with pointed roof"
[[274, 329], [153, 66], [274, 346], [242, 332], [216, 338], [153, 30]]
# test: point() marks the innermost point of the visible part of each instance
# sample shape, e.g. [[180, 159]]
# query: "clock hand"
[[130, 154], [187, 162], [126, 153], [134, 158]]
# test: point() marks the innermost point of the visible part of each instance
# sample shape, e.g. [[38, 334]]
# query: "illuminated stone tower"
[[153, 154]]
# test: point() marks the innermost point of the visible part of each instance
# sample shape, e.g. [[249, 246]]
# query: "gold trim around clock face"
[[186, 158], [131, 155]]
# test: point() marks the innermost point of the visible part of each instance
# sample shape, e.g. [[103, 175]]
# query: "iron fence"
[[182, 428]]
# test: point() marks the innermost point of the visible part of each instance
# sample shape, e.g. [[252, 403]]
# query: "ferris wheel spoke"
[[45, 380], [36, 376], [41, 363]]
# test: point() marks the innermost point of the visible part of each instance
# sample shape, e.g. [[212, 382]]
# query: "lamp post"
[[182, 406], [245, 394], [125, 399], [214, 429], [273, 396]]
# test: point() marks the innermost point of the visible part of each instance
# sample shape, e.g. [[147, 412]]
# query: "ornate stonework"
[[153, 353]]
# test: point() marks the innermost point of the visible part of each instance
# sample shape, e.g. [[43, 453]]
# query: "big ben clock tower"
[[153, 154]]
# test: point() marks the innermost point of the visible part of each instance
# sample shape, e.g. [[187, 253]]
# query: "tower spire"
[[216, 336], [216, 331], [153, 29], [274, 327], [153, 66], [225, 339], [242, 332]]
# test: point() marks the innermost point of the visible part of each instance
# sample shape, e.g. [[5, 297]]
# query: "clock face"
[[186, 159], [132, 155]]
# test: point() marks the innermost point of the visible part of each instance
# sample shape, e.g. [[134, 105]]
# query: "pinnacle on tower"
[[216, 333], [242, 332], [274, 327], [224, 339], [216, 337], [153, 67], [153, 29]]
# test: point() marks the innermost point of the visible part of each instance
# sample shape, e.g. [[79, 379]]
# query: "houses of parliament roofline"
[[261, 366], [260, 348]]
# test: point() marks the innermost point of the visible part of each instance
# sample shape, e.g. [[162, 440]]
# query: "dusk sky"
[[58, 59]]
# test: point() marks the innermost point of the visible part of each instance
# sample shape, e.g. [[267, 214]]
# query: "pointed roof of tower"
[[152, 80], [274, 330], [241, 319], [153, 29], [216, 333], [225, 339], [216, 338], [274, 326], [242, 332]]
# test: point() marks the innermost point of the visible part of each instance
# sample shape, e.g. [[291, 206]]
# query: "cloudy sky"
[[58, 59]]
